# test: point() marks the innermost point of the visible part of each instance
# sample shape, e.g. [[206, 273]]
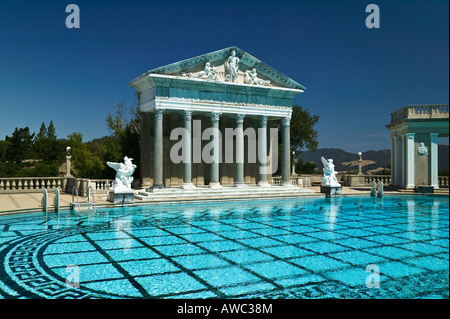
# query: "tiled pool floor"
[[304, 248]]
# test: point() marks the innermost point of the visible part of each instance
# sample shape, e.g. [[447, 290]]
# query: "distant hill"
[[372, 160]]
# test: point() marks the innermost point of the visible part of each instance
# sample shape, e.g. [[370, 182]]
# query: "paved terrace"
[[31, 202]]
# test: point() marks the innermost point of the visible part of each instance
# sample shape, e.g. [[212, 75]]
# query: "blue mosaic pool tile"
[[355, 277], [226, 276], [149, 232], [286, 251], [296, 239], [200, 237], [300, 229], [246, 256], [383, 230], [179, 250], [108, 235], [300, 280], [185, 230], [358, 243], [387, 239], [131, 254], [429, 262], [80, 258], [275, 269], [423, 248], [246, 289], [148, 267], [69, 247], [327, 235], [391, 252], [157, 285], [91, 272], [163, 240], [219, 246], [397, 269], [440, 242], [318, 263], [118, 243], [238, 234], [201, 261], [260, 242], [355, 232], [357, 257], [271, 232], [121, 287], [322, 247]]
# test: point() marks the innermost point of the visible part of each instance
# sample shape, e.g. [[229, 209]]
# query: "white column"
[[393, 181], [214, 166], [398, 160], [403, 165], [434, 159], [239, 176], [286, 152], [187, 163], [410, 160], [262, 151]]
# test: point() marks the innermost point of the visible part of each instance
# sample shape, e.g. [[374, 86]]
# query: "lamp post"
[[360, 163], [68, 158]]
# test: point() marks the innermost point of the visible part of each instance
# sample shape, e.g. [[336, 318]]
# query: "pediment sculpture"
[[251, 77]]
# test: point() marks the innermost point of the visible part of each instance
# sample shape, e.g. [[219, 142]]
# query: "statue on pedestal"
[[329, 174], [121, 190]]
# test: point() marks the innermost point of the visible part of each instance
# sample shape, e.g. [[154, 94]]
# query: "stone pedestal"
[[124, 197], [331, 191]]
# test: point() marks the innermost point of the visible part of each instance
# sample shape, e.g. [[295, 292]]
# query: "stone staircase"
[[202, 193]]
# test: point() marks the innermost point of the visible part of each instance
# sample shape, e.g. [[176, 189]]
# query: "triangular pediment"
[[228, 65]]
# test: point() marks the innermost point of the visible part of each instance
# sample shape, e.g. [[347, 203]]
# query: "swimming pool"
[[292, 248]]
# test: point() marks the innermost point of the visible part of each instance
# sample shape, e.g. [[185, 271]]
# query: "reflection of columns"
[[187, 161], [239, 177], [158, 150], [285, 165], [434, 160], [262, 151], [409, 160], [214, 167]]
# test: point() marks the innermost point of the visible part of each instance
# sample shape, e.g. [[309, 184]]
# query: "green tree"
[[85, 163], [20, 145], [51, 132]]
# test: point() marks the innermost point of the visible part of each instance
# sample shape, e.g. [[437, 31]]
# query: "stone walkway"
[[13, 203]]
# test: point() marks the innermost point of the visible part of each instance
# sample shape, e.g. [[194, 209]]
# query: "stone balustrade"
[[443, 181], [302, 181], [421, 112], [15, 185]]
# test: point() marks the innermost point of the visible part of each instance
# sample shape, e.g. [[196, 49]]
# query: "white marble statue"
[[231, 67], [208, 73], [329, 174], [123, 179], [251, 77]]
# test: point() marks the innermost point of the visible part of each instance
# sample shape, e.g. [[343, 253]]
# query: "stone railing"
[[421, 112], [368, 179], [15, 185], [10, 185], [443, 180], [302, 181]]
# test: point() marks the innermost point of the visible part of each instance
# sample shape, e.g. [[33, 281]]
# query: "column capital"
[[263, 120], [240, 118], [286, 121], [159, 114], [215, 116], [410, 135], [187, 114]]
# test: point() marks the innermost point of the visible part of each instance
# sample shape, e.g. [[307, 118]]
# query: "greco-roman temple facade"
[[224, 89], [415, 130]]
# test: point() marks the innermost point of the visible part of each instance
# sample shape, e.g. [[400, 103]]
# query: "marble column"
[[286, 153], [397, 165], [214, 166], [392, 160], [434, 160], [409, 159], [403, 166], [158, 150], [262, 151], [187, 160], [239, 174]]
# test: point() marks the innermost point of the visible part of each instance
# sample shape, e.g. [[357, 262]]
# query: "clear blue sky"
[[354, 76]]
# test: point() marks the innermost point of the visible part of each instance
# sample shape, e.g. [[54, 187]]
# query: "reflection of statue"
[[123, 179], [251, 77], [231, 66], [208, 73], [329, 175]]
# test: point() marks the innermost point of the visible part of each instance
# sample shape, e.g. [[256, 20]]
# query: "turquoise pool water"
[[296, 248]]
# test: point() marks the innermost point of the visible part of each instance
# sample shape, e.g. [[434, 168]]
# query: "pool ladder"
[[88, 203], [56, 200]]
